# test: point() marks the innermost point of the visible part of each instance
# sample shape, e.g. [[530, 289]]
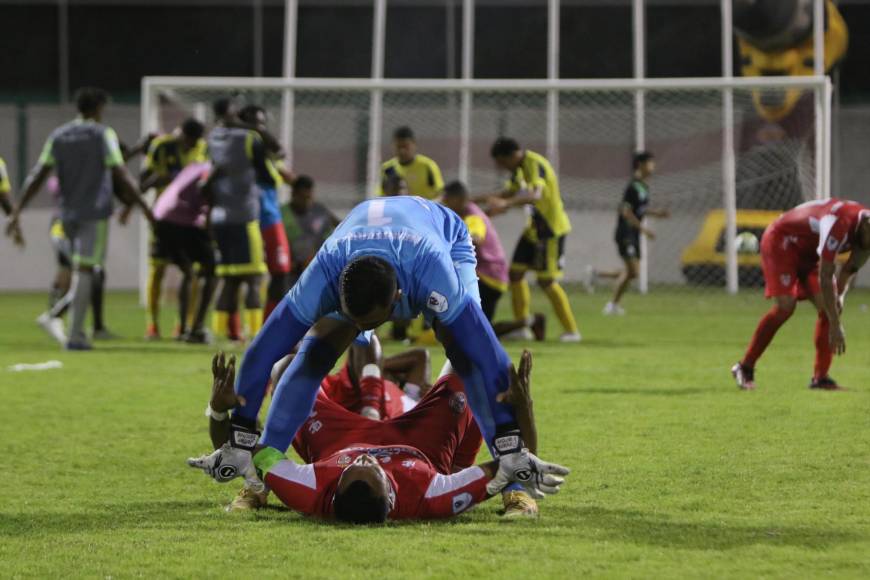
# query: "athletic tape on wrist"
[[212, 414]]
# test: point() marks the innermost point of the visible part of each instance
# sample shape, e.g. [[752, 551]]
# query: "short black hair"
[[192, 128], [639, 158], [403, 132], [248, 114], [367, 282], [455, 189], [360, 505], [221, 106], [89, 99], [303, 182], [504, 147]]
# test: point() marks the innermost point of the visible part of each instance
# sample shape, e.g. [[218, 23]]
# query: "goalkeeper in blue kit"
[[390, 259]]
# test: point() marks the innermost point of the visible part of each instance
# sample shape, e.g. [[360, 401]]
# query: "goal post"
[[725, 165]]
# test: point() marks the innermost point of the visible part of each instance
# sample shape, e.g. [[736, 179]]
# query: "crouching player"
[[391, 258], [798, 253], [415, 466]]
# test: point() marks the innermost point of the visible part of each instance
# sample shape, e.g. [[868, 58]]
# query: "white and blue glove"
[[539, 478], [233, 459]]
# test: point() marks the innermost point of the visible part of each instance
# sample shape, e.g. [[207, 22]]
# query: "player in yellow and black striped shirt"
[[541, 247], [420, 173]]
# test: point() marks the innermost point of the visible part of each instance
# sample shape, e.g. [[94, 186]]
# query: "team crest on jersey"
[[785, 279], [458, 403], [437, 302], [344, 460]]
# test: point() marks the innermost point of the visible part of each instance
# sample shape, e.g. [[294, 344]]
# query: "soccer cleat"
[[744, 375], [519, 334], [78, 345], [590, 279], [152, 332], [519, 504], [248, 499], [611, 309], [197, 337], [105, 334], [539, 326], [53, 326], [570, 337], [825, 383]]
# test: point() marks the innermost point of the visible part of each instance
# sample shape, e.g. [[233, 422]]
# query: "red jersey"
[[383, 395], [822, 228], [420, 491]]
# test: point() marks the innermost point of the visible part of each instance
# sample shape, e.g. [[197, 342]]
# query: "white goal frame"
[[820, 85]]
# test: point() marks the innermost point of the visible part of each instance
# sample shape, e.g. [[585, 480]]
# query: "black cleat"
[[825, 383]]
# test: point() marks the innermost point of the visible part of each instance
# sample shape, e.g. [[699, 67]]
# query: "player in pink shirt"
[[180, 234], [492, 265], [798, 254]]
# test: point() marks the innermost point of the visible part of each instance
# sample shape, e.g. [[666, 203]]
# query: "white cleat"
[[53, 326], [570, 337], [521, 334], [590, 279], [744, 377], [612, 309]]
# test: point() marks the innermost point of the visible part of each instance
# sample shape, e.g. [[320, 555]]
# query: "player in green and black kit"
[[629, 227], [87, 158]]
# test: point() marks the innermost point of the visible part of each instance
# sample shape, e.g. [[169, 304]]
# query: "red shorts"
[[385, 396], [277, 249], [441, 426], [787, 272]]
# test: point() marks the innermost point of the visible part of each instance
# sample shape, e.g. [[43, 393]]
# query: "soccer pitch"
[[675, 472]]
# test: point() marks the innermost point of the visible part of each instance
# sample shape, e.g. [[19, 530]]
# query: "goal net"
[[730, 154]]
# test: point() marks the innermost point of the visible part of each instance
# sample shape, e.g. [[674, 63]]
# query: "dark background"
[[114, 44]]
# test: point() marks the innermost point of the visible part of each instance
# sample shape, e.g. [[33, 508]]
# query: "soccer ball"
[[746, 243]]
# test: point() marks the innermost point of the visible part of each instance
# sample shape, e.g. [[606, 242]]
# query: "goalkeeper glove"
[[539, 478], [233, 459]]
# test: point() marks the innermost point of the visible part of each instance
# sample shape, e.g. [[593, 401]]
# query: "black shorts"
[[182, 245], [546, 257], [629, 247], [489, 298], [241, 249]]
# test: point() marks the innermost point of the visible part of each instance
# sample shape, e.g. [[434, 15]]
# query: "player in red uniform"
[[372, 385], [416, 466], [798, 253]]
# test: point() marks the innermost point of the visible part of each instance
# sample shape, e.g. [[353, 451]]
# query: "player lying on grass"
[[391, 258], [373, 385], [416, 466], [798, 254]]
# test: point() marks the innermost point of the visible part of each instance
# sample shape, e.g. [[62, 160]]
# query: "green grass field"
[[676, 472]]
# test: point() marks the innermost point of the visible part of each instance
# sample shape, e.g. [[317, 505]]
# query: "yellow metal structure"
[[795, 61]]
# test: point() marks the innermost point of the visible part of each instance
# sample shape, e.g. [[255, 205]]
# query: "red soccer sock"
[[270, 306], [824, 356], [234, 326], [765, 332]]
